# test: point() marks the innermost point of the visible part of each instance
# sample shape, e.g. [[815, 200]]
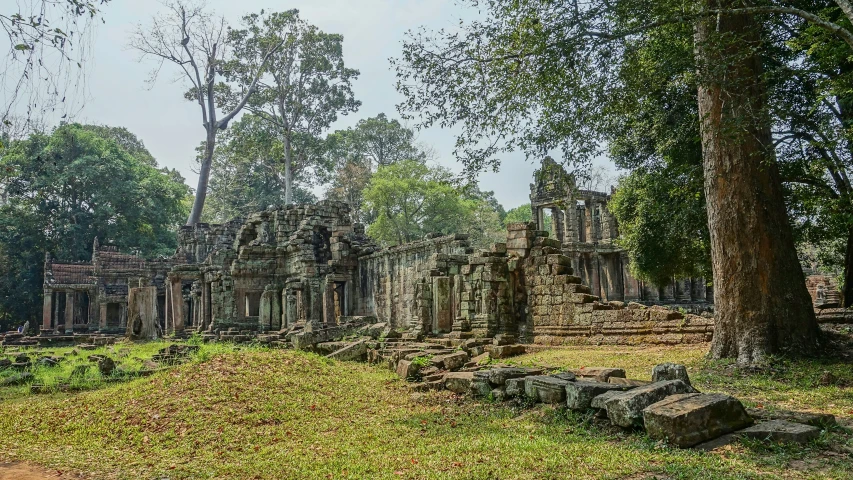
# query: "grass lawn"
[[285, 414]]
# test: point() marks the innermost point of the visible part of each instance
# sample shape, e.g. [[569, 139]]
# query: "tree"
[[539, 75], [524, 214], [247, 175], [411, 200], [197, 43], [307, 85], [374, 142], [47, 51], [58, 201], [663, 224]]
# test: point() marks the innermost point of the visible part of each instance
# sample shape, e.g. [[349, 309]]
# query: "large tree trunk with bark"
[[203, 178], [760, 296]]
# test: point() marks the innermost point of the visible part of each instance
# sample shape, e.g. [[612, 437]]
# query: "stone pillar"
[[571, 223], [668, 292], [205, 319], [102, 321], [289, 307], [442, 317], [69, 312], [47, 309], [177, 306]]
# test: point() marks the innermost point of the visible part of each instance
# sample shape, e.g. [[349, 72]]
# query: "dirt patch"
[[23, 471]]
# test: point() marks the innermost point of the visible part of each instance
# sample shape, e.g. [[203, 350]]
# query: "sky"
[[117, 93]]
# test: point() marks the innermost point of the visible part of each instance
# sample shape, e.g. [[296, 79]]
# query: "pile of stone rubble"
[[667, 406]]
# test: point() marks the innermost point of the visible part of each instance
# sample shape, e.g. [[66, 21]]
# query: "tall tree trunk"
[[760, 296], [847, 288], [288, 170], [203, 178]]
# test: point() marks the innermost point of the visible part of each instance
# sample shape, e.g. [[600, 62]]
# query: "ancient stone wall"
[[397, 284]]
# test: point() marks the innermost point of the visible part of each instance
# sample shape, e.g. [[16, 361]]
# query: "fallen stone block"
[[670, 371], [5, 362], [499, 376], [781, 431], [600, 374], [459, 382], [499, 394], [600, 401], [452, 361], [626, 408], [689, 419], [17, 379], [353, 351], [480, 386], [545, 388], [407, 369], [505, 351], [107, 366], [821, 420], [514, 387], [579, 394], [627, 382]]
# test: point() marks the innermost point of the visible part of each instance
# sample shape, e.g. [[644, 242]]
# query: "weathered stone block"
[[459, 382], [822, 420], [453, 361], [670, 371], [579, 394], [499, 376], [480, 386], [782, 431], [515, 387], [628, 382], [626, 408], [505, 351], [689, 419], [545, 388], [600, 374], [406, 369]]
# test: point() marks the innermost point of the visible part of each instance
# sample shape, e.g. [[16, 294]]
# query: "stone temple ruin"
[[308, 267]]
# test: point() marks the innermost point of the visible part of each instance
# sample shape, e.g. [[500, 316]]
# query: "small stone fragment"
[[458, 382], [670, 371], [107, 366]]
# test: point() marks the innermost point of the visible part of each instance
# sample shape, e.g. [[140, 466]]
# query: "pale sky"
[[373, 30]]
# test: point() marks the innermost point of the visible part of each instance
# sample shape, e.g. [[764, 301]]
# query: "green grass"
[[284, 414], [129, 359]]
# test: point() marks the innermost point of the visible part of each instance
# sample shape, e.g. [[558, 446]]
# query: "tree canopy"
[[65, 188], [412, 199]]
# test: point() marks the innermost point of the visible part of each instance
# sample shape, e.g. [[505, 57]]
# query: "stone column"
[[571, 223], [177, 306], [47, 309], [102, 321], [69, 312]]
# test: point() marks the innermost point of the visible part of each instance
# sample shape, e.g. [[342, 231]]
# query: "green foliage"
[[663, 224], [412, 199], [357, 151], [524, 213], [422, 361], [308, 84], [66, 188], [248, 170]]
